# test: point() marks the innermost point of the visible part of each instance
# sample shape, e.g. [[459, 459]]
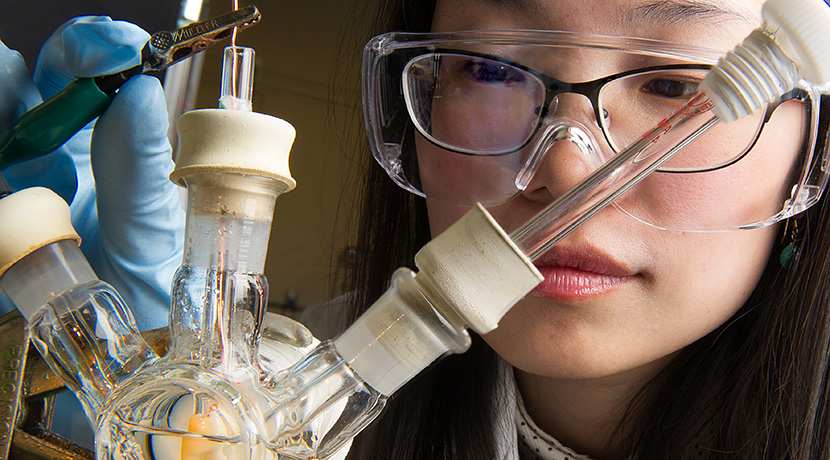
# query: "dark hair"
[[755, 388]]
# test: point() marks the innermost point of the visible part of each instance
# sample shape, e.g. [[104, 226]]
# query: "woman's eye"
[[669, 88], [491, 72]]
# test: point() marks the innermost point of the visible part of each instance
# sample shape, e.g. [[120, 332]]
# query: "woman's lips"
[[573, 274]]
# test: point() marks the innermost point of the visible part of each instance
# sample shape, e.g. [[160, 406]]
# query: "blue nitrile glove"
[[130, 217], [17, 95]]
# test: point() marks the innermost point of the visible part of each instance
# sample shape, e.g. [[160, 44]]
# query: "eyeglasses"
[[468, 116]]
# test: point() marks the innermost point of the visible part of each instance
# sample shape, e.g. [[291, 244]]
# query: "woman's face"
[[619, 295]]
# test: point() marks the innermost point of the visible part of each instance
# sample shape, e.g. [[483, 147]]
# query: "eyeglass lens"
[[482, 106], [480, 119]]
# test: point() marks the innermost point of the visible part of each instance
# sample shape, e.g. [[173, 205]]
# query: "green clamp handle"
[[46, 127]]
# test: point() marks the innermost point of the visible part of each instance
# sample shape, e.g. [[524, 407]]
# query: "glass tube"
[[237, 78], [754, 73], [203, 399], [615, 177]]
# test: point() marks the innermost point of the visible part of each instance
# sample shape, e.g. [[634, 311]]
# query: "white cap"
[[477, 270], [770, 62], [234, 141], [803, 34], [29, 220], [472, 274]]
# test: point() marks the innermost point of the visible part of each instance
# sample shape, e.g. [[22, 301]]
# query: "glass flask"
[[203, 399]]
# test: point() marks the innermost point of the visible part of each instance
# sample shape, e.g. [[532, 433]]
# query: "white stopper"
[[472, 274], [217, 140], [771, 61], [477, 270], [29, 220], [803, 33]]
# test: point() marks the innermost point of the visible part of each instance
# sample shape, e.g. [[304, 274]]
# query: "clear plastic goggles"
[[469, 117]]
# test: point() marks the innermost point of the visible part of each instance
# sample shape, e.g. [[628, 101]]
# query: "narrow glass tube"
[[237, 78], [752, 74], [615, 177]]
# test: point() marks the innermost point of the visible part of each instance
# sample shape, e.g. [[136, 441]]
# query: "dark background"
[[25, 25]]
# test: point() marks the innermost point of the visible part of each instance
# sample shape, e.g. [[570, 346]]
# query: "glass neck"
[[79, 324], [219, 292], [228, 221]]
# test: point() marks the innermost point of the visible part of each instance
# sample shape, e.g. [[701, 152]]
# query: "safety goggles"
[[472, 116]]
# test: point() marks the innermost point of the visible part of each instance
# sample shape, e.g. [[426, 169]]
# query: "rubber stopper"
[[477, 270], [29, 220], [217, 140]]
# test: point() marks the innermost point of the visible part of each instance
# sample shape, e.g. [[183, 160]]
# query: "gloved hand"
[[129, 216]]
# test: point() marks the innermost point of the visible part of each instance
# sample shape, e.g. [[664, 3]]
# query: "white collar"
[[515, 429], [535, 443], [538, 445]]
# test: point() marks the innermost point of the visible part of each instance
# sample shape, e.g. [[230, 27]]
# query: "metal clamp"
[[168, 47]]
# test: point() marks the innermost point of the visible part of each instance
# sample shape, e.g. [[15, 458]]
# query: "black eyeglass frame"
[[589, 89]]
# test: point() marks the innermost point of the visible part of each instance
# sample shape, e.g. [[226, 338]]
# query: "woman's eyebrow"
[[663, 11], [529, 8], [683, 10]]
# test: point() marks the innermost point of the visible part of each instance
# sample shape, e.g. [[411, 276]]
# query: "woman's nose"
[[565, 153]]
